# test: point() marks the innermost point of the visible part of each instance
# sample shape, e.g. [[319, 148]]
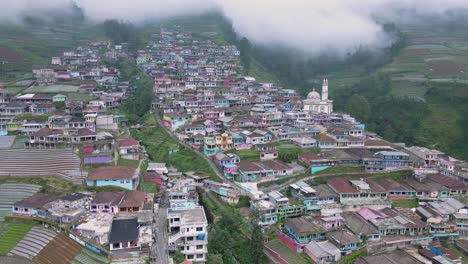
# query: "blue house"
[[221, 102], [393, 159], [303, 230], [33, 205], [119, 176], [314, 198], [209, 147], [344, 240]]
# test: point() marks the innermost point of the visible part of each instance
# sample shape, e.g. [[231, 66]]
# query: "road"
[[292, 180], [159, 247], [213, 166]]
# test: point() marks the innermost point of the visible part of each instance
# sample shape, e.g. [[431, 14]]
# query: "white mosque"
[[318, 104]]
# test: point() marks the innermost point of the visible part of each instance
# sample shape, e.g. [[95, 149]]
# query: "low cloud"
[[311, 26]]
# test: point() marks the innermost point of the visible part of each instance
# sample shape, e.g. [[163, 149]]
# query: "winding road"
[[213, 166]]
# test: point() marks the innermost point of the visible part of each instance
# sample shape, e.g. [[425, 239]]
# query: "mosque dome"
[[313, 95]]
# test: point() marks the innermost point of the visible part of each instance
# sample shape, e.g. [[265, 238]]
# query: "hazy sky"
[[309, 25]]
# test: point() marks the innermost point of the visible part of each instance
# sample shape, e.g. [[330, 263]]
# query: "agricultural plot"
[[53, 89], [434, 56], [13, 233], [409, 88]]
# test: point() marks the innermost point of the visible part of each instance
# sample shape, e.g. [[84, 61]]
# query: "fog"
[[310, 26]]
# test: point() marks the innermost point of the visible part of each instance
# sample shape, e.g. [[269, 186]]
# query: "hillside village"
[[320, 186]]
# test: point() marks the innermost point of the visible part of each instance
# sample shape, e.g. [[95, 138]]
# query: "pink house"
[[369, 214], [331, 221], [62, 76]]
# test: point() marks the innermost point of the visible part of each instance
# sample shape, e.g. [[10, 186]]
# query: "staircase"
[[174, 238]]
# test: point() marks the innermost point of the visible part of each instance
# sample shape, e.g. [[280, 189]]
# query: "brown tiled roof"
[[341, 185], [324, 138], [151, 175], [342, 237], [133, 199], [378, 143], [375, 187], [302, 225], [389, 185], [111, 173], [128, 142], [308, 157], [449, 182], [275, 165], [113, 198], [358, 225], [44, 132], [248, 166], [43, 96], [38, 200], [360, 152], [424, 186], [85, 132]]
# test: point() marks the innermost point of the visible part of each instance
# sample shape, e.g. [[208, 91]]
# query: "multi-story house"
[[188, 232], [358, 192], [430, 156], [224, 141]]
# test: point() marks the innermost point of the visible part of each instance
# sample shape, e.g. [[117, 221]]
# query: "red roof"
[[128, 142], [341, 185], [111, 173]]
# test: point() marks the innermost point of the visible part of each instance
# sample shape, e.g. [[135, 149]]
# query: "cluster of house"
[[78, 117], [83, 65], [329, 221], [121, 220], [186, 220]]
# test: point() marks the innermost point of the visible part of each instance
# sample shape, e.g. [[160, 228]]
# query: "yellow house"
[[224, 141]]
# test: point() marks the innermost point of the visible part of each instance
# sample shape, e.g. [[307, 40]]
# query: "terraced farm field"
[[11, 235], [286, 253]]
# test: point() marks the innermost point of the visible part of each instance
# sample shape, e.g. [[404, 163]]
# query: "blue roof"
[[392, 153]]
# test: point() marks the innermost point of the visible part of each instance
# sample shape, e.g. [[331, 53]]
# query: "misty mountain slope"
[[423, 86], [22, 46]]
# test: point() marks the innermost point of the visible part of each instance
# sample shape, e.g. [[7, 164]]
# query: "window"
[[26, 209], [189, 238], [122, 181], [199, 256], [116, 245], [188, 229], [199, 246], [199, 228], [187, 248], [16, 208], [189, 256]]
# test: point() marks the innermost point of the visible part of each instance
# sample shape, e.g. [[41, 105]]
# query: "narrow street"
[[159, 248]]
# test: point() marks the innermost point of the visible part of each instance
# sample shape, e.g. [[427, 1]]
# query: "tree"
[[358, 106], [256, 243], [245, 53], [122, 32], [178, 257], [215, 259]]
